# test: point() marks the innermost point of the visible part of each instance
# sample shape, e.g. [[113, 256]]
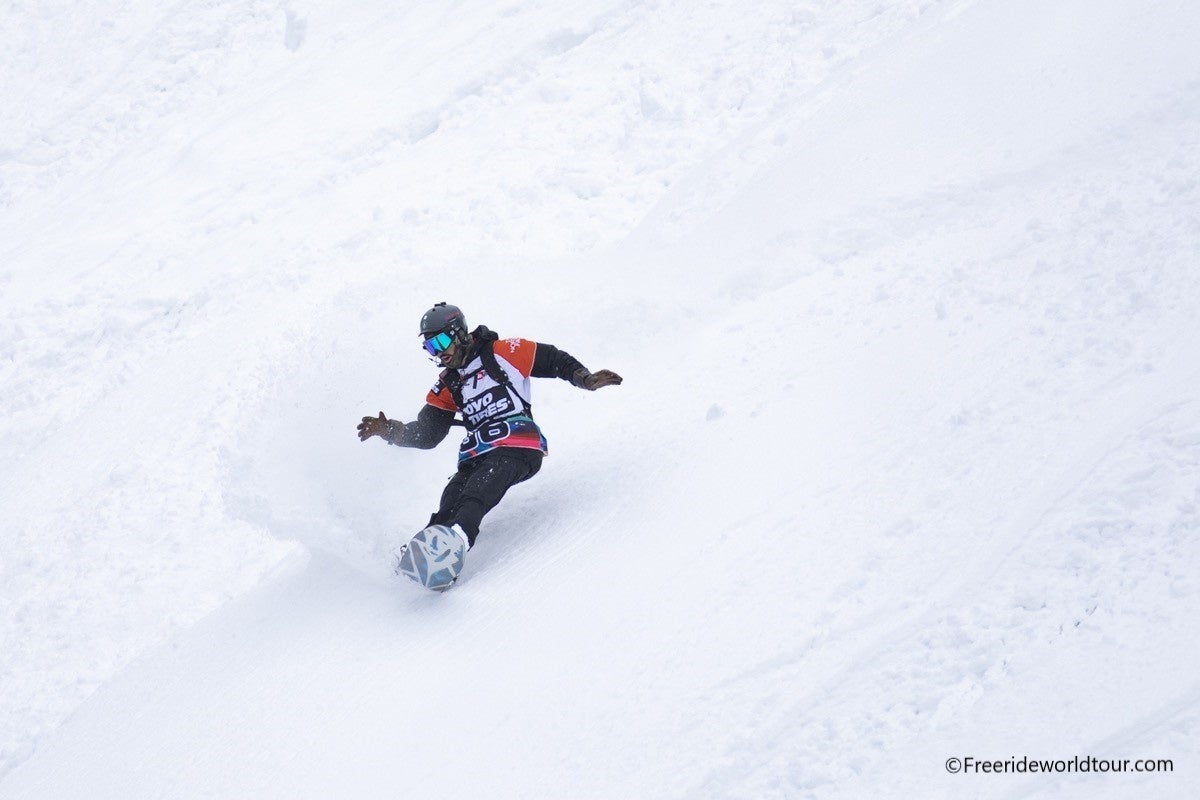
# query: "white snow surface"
[[905, 467]]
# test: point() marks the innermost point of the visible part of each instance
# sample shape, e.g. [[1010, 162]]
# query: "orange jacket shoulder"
[[440, 397], [518, 352]]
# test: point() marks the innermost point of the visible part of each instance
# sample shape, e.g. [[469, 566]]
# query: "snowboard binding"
[[434, 557]]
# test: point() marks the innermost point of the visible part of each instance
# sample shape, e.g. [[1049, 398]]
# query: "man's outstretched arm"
[[550, 362], [426, 432]]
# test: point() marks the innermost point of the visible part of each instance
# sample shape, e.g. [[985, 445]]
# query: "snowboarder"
[[487, 380]]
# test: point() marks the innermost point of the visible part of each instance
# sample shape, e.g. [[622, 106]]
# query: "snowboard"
[[434, 558]]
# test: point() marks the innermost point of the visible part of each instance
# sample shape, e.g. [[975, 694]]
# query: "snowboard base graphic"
[[434, 558]]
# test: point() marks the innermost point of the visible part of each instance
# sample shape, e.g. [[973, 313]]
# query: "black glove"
[[594, 380], [377, 426]]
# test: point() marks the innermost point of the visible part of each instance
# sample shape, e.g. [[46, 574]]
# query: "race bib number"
[[489, 434], [512, 432]]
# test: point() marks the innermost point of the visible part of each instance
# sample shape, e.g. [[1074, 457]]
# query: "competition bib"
[[515, 431]]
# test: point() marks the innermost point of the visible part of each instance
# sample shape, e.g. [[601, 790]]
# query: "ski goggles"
[[438, 343]]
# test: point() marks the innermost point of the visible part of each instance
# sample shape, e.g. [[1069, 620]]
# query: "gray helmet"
[[444, 318]]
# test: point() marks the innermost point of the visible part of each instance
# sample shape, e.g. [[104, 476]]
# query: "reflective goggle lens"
[[438, 343]]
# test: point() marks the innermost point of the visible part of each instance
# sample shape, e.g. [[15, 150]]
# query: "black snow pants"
[[480, 483]]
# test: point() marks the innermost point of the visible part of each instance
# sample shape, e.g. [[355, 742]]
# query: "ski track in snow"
[[904, 297]]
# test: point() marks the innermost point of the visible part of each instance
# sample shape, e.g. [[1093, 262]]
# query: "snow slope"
[[904, 467]]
